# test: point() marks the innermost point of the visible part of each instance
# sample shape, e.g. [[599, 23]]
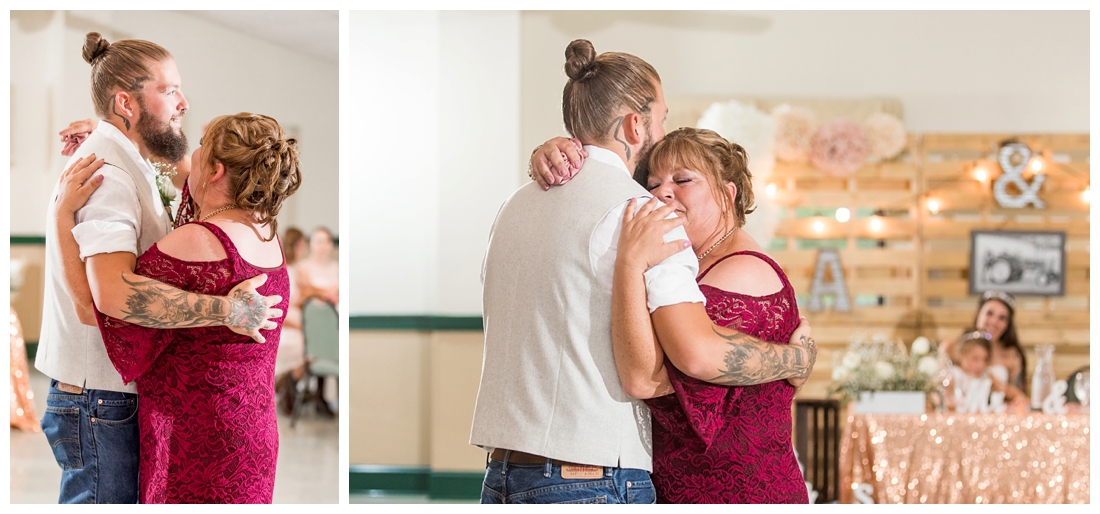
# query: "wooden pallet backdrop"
[[906, 268]]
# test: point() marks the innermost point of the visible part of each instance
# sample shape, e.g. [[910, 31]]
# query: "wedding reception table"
[[965, 458]]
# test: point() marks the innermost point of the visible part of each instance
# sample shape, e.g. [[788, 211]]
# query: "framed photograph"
[[1019, 262]]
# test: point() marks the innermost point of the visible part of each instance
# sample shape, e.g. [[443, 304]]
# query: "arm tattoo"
[[745, 364], [616, 126], [158, 305]]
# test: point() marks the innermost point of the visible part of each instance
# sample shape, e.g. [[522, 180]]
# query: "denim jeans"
[[94, 436], [538, 483]]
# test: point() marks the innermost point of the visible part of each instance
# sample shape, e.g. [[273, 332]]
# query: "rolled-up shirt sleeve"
[[108, 222], [669, 282]]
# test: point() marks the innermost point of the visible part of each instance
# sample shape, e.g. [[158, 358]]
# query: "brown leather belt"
[[526, 458]]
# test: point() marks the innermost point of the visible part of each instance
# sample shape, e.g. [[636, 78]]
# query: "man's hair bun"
[[580, 59], [94, 47]]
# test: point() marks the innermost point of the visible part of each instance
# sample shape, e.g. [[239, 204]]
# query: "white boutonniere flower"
[[165, 173]]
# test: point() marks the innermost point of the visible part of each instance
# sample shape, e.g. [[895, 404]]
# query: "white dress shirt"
[[109, 221], [669, 282]]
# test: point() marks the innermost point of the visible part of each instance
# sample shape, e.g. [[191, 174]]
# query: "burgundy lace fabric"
[[206, 396], [717, 444], [184, 213]]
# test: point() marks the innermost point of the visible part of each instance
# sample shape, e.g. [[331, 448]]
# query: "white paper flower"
[[928, 365], [884, 370], [840, 373], [794, 129], [885, 134], [851, 360], [754, 130], [921, 345]]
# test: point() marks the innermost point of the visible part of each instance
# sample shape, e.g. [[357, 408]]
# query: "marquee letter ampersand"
[[1013, 170]]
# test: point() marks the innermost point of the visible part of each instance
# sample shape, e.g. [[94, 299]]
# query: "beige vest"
[[68, 350], [548, 381]]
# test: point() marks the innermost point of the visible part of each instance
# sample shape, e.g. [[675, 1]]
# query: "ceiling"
[[315, 33]]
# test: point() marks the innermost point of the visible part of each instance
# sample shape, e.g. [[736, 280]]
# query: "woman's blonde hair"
[[124, 65], [712, 155], [260, 161]]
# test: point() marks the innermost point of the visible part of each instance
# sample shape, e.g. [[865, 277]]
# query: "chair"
[[1071, 390], [321, 332], [817, 441]]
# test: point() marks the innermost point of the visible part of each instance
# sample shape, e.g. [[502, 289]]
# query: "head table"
[[965, 458]]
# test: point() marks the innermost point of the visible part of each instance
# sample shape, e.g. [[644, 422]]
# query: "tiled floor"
[[307, 472]]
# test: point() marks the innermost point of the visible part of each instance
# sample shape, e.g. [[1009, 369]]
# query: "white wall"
[[223, 72], [440, 104], [972, 71]]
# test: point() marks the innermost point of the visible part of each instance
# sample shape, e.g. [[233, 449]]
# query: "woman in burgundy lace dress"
[[207, 418], [712, 443]]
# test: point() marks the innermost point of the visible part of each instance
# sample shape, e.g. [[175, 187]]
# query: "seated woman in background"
[[973, 364], [319, 273], [290, 363], [996, 318]]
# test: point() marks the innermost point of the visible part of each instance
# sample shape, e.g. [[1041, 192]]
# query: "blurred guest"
[[23, 414], [996, 317], [973, 363], [290, 364], [319, 273]]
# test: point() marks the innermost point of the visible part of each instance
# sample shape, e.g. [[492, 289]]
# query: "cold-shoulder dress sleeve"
[[132, 348]]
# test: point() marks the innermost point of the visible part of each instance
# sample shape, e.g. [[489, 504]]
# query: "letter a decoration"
[[827, 257], [1013, 158]]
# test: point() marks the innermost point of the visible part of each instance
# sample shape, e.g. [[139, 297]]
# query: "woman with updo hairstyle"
[[208, 424], [713, 443]]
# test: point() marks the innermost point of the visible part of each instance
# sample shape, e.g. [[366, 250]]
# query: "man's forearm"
[[724, 356]]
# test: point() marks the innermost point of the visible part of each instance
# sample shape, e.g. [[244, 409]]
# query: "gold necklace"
[[715, 245], [218, 211]]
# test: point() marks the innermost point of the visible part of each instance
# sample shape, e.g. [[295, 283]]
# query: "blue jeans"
[[94, 436], [537, 483]]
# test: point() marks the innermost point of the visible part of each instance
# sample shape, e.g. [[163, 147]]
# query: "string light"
[[1037, 165], [770, 189], [933, 206], [819, 226], [1087, 194], [843, 215], [980, 174], [876, 224]]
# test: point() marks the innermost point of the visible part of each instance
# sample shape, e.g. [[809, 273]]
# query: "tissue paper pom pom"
[[885, 134], [839, 148], [794, 129]]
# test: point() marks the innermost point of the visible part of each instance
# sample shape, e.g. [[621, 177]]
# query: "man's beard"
[[641, 167], [160, 139]]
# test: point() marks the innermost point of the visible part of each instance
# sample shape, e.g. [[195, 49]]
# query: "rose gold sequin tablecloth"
[[964, 458]]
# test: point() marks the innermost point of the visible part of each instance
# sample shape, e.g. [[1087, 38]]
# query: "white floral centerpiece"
[[882, 375]]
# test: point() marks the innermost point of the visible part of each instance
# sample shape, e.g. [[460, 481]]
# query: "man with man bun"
[[551, 409], [91, 417]]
